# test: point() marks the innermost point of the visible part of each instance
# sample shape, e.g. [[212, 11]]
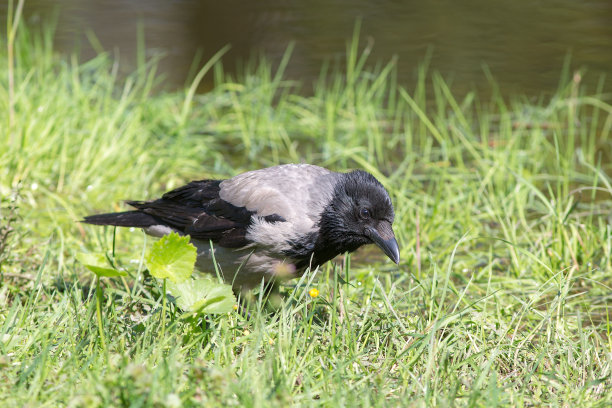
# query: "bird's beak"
[[385, 239]]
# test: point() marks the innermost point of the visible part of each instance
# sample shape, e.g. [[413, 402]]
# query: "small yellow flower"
[[235, 307], [314, 292], [271, 341], [246, 332]]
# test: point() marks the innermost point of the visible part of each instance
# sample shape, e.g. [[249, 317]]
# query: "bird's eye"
[[364, 213]]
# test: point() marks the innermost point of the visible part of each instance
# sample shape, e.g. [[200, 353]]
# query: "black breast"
[[314, 250]]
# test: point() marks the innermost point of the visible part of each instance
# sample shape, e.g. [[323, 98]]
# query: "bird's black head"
[[360, 213]]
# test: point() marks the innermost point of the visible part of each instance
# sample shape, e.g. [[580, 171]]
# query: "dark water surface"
[[523, 42]]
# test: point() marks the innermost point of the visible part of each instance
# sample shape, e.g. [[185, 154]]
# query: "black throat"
[[332, 239], [341, 228], [317, 248]]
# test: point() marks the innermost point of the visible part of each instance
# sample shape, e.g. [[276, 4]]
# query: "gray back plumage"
[[292, 191], [296, 192]]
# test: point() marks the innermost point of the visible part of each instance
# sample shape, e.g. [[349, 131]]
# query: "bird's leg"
[[271, 288], [269, 295]]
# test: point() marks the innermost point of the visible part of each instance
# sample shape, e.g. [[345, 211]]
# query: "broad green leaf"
[[203, 295], [98, 264], [172, 257]]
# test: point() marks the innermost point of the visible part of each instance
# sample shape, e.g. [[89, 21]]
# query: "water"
[[522, 42]]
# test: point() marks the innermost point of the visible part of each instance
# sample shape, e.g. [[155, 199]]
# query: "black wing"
[[194, 209]]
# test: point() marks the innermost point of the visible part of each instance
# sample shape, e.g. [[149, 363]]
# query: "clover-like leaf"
[[98, 264], [172, 257], [203, 295]]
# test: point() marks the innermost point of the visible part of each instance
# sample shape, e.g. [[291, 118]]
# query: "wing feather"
[[196, 210]]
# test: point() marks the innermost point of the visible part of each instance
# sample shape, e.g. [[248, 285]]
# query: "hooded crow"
[[270, 223]]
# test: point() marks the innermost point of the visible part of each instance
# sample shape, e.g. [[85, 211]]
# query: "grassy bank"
[[503, 215]]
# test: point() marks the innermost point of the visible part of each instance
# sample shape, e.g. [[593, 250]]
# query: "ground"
[[503, 215]]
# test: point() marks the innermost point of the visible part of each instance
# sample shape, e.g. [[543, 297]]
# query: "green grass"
[[503, 215]]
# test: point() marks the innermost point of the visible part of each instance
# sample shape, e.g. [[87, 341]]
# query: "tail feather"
[[122, 219]]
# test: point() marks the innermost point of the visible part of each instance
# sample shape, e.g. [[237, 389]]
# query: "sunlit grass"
[[503, 214]]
